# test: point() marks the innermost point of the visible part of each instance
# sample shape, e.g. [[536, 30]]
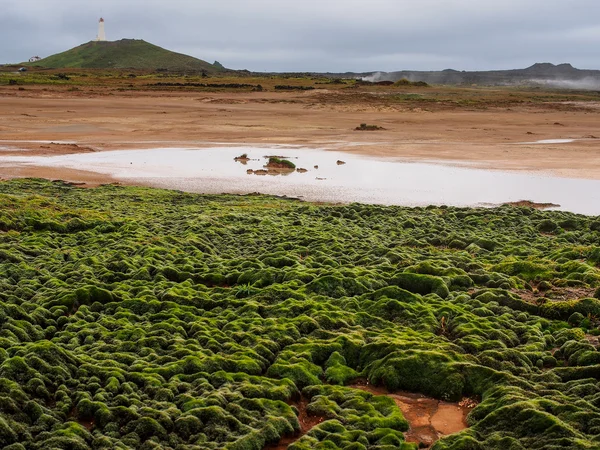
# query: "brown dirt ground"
[[555, 294], [79, 177], [429, 419], [490, 135], [306, 421]]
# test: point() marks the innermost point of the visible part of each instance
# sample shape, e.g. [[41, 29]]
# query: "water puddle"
[[429, 419], [327, 176], [552, 141]]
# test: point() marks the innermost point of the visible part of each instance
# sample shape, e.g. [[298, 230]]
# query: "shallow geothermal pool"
[[361, 179]]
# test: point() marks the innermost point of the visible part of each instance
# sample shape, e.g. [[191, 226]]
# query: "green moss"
[[337, 371], [162, 319], [353, 416], [429, 372], [547, 226], [421, 284], [575, 319], [302, 372], [527, 270], [333, 286]]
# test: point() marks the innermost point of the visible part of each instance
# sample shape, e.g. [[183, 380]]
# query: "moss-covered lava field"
[[151, 319]]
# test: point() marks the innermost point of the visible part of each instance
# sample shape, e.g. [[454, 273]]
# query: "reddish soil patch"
[[77, 177], [429, 419], [307, 422], [50, 149], [594, 340], [554, 294], [534, 297], [88, 424]]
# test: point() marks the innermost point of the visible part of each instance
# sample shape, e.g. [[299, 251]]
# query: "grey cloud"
[[320, 35]]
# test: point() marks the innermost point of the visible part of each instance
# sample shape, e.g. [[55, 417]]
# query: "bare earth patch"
[[554, 294], [78, 177], [47, 149], [489, 134], [429, 419], [307, 422]]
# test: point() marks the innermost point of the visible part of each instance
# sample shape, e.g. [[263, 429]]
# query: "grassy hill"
[[124, 54]]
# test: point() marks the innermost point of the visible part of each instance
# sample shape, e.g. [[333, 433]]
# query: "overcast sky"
[[320, 35]]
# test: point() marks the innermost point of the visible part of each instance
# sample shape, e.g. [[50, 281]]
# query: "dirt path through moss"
[[429, 419], [307, 422]]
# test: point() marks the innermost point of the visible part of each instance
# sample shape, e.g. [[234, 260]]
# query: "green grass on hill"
[[124, 54]]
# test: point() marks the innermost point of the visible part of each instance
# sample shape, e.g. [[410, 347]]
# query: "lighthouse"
[[101, 34]]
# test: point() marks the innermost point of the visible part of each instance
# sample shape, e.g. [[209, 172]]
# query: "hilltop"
[[125, 54]]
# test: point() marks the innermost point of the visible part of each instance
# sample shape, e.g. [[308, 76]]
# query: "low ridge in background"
[[559, 76]]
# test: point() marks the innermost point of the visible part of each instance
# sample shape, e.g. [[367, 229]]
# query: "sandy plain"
[[481, 127]]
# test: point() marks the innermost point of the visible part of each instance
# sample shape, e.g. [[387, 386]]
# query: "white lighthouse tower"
[[101, 34]]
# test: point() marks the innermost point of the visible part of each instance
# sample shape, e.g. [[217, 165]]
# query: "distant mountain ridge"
[[125, 54], [539, 73]]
